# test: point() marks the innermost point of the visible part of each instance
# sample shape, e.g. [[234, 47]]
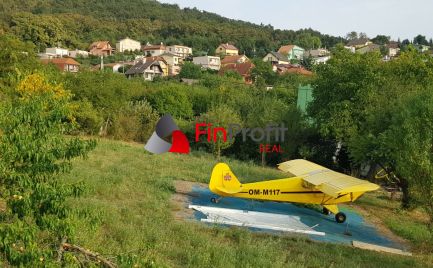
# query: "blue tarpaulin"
[[335, 232]]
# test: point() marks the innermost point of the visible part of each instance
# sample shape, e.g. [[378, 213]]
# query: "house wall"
[[57, 51], [208, 62], [181, 51], [127, 44], [222, 51]]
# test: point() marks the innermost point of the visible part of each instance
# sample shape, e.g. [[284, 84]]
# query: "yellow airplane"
[[312, 184]]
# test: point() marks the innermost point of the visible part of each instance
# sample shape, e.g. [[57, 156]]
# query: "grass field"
[[128, 214]]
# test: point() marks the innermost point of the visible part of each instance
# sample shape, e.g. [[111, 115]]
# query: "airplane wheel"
[[214, 200], [340, 217], [325, 211]]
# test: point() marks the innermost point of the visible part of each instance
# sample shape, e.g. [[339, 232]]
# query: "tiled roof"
[[68, 61], [100, 44], [357, 42], [232, 59], [141, 66], [241, 68], [286, 49], [153, 47], [229, 46], [279, 56], [291, 68]]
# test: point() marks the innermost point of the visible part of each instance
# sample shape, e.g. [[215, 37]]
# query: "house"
[[422, 48], [208, 62], [276, 58], [226, 50], [234, 59], [358, 43], [181, 51], [117, 67], [127, 44], [173, 61], [153, 50], [320, 55], [292, 68], [244, 69], [64, 64], [368, 48], [78, 53], [292, 52], [56, 52], [393, 49], [147, 67], [100, 48]]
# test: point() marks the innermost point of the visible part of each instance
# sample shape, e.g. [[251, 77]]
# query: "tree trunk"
[[263, 158], [406, 199]]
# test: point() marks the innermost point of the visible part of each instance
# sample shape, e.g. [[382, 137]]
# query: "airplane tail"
[[223, 180]]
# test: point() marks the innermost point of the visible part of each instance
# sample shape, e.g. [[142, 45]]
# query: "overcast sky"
[[396, 18]]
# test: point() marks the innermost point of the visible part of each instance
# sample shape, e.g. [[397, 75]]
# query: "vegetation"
[[129, 195], [75, 24]]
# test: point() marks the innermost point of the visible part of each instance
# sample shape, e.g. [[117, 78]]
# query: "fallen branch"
[[88, 253], [60, 250]]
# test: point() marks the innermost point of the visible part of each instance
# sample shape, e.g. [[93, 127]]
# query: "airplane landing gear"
[[340, 217], [215, 200], [325, 211]]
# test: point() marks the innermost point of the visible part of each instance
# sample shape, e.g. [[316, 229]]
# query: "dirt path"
[[180, 199]]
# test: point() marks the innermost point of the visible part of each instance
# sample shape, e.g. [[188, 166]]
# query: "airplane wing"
[[330, 182]]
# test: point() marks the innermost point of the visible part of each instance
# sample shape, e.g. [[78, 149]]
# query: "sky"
[[396, 18]]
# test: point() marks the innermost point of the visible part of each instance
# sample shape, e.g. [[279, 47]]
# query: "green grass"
[[411, 225], [128, 214]]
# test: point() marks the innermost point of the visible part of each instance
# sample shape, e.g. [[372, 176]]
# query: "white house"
[[320, 55], [78, 53], [56, 51], [153, 50], [181, 51], [208, 62], [127, 44]]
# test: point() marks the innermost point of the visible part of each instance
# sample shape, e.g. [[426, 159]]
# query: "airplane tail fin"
[[223, 180]]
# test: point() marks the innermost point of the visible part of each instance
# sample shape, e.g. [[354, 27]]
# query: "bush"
[[135, 122]]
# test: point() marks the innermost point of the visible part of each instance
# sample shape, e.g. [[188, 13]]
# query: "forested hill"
[[77, 23]]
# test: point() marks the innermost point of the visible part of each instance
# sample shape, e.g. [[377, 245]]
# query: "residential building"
[[153, 50], [393, 49], [227, 50], [292, 52], [148, 68], [422, 48], [368, 48], [173, 62], [78, 53], [234, 59], [244, 69], [181, 51], [100, 48], [276, 58], [320, 55], [358, 43], [56, 52], [64, 64], [127, 44], [208, 62]]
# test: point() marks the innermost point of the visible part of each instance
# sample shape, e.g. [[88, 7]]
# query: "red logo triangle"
[[179, 142]]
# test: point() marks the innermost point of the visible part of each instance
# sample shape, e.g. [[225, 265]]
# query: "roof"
[[279, 56], [169, 54], [141, 66], [241, 68], [100, 44], [153, 47], [68, 61], [228, 46], [357, 42], [392, 44], [286, 49], [232, 59], [291, 68]]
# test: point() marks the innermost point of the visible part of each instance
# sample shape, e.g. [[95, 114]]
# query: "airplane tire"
[[325, 211], [214, 200], [340, 217]]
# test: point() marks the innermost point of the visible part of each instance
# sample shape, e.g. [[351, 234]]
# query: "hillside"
[[129, 215], [75, 24]]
